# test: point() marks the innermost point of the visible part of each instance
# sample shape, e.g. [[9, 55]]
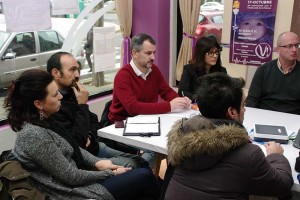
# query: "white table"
[[252, 116]]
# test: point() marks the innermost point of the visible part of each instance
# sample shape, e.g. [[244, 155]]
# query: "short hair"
[[54, 61], [30, 86], [138, 40], [216, 92]]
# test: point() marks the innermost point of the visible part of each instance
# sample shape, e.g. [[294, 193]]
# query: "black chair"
[[104, 121]]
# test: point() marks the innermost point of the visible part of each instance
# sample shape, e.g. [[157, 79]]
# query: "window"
[[50, 40], [22, 44], [217, 19], [32, 50]]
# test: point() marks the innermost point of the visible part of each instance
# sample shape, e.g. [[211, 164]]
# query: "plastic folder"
[[142, 126]]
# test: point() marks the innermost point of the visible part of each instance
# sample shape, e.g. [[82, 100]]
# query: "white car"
[[211, 6], [20, 51]]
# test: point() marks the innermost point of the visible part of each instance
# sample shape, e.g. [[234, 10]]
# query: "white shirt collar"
[[138, 72]]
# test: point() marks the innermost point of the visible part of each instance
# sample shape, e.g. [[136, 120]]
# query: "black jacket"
[[188, 82], [214, 159], [77, 120]]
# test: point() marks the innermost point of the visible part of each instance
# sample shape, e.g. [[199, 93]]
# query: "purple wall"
[[153, 17]]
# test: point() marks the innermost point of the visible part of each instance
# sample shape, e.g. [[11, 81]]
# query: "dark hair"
[[217, 92], [203, 46], [138, 40], [54, 61], [30, 86]]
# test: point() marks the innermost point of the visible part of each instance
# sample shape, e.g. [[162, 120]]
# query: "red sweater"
[[132, 95]]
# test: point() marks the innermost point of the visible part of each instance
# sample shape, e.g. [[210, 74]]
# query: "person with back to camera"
[[212, 154], [276, 84], [56, 164], [206, 59]]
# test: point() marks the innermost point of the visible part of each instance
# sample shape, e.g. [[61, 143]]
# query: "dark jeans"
[[137, 184], [88, 59]]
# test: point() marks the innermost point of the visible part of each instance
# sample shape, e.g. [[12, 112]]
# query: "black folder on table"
[[142, 126], [270, 133]]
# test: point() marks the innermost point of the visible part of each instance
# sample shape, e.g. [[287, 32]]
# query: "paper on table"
[[142, 120], [142, 128]]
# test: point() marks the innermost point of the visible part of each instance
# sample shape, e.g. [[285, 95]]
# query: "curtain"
[[124, 12], [189, 13]]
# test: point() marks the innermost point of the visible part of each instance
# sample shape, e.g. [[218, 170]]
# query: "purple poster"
[[252, 31]]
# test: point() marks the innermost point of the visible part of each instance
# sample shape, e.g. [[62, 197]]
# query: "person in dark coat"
[[206, 59], [219, 161], [74, 115]]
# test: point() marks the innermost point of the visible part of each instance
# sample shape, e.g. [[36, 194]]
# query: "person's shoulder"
[[125, 69], [223, 69], [188, 66], [30, 133], [268, 65]]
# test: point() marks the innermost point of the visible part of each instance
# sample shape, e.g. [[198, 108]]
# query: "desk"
[[252, 116]]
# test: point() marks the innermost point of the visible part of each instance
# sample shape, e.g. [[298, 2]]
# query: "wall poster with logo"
[[252, 31]]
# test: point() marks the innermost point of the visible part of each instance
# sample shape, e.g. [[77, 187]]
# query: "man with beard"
[[138, 85], [74, 116], [276, 84]]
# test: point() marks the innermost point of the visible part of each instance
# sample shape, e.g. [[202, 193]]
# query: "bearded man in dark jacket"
[[212, 155], [74, 117]]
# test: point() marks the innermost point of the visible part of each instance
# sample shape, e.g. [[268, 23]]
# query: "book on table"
[[142, 126]]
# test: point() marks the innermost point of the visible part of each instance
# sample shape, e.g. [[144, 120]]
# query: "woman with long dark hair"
[[206, 59], [58, 166]]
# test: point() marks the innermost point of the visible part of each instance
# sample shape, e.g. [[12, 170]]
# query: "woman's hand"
[[106, 164], [121, 170]]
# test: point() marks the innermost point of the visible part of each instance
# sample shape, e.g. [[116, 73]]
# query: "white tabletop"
[[252, 116]]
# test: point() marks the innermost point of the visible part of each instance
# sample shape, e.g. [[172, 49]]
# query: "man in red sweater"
[[137, 85]]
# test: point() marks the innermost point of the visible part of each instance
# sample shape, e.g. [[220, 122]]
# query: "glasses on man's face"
[[290, 46], [213, 53]]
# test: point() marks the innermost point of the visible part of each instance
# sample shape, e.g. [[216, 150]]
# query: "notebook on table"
[[142, 126], [270, 133]]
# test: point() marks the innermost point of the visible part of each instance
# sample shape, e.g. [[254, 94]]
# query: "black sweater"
[[272, 90], [78, 121]]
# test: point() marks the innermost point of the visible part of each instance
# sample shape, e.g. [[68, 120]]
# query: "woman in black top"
[[206, 59]]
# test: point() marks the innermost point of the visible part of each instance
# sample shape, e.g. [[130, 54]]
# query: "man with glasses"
[[276, 84]]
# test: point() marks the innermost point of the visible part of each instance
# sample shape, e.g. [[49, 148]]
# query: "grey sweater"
[[48, 158]]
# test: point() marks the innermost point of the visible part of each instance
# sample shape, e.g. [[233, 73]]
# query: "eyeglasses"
[[212, 54], [290, 46]]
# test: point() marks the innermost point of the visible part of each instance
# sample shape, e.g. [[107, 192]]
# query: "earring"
[[41, 114]]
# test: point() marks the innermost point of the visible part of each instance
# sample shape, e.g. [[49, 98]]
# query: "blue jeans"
[[137, 184], [120, 158]]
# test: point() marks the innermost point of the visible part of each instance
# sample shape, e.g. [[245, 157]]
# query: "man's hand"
[[121, 170], [106, 164], [88, 142], [180, 103], [82, 94], [273, 147]]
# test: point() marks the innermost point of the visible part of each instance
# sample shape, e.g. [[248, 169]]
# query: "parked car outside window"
[[210, 23], [26, 50], [211, 6]]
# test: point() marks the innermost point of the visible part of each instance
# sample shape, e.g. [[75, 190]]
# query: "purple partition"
[[153, 17]]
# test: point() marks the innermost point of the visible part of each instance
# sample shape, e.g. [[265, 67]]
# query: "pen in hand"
[[182, 93]]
